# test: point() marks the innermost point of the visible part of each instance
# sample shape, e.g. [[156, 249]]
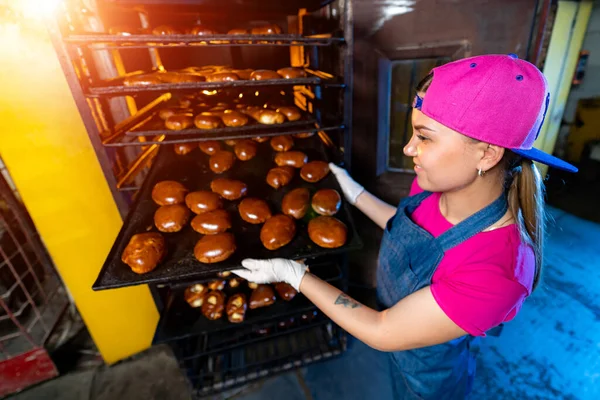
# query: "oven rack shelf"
[[137, 41], [179, 321], [122, 90], [199, 135], [214, 373]]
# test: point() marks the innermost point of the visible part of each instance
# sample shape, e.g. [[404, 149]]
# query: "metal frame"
[[96, 112], [454, 50], [32, 298]]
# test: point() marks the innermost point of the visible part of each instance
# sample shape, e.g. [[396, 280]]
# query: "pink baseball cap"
[[498, 99]]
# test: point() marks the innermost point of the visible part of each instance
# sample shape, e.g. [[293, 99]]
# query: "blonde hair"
[[524, 190]]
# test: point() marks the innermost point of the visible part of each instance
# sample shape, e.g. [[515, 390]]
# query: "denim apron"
[[408, 257]]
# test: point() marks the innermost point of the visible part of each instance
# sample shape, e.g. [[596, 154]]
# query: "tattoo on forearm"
[[347, 301]]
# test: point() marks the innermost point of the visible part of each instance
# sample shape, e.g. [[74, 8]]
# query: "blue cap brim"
[[545, 158]]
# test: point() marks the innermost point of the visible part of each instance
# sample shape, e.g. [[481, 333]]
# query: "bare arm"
[[416, 321], [377, 210]]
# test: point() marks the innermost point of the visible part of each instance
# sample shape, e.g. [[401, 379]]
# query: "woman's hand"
[[273, 270], [350, 187]]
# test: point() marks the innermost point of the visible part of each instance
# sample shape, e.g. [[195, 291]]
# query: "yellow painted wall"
[[49, 155], [561, 60]]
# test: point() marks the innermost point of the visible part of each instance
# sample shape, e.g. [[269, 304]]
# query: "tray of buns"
[[145, 40], [198, 214], [188, 313]]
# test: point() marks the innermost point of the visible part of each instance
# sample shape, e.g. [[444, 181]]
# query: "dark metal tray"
[[118, 90], [192, 171], [103, 41], [179, 320]]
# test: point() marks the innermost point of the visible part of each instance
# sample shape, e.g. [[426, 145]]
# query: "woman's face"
[[444, 159]]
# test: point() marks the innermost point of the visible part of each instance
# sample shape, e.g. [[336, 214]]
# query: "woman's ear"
[[491, 157]]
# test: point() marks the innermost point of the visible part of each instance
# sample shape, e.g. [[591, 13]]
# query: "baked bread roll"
[[253, 111], [179, 77], [213, 305], [303, 135], [207, 121], [212, 222], [295, 159], [169, 111], [260, 139], [262, 296], [270, 29], [200, 30], [285, 291], [222, 77], [236, 281], [165, 30], [269, 117], [234, 118], [314, 171], [236, 308], [291, 113], [282, 143], [203, 201], [326, 202], [246, 150], [168, 192], [229, 189], [215, 248], [221, 161], [292, 73], [144, 251], [264, 74], [295, 203], [194, 295], [183, 148], [209, 147], [245, 74], [254, 211], [217, 284], [278, 231], [328, 232], [178, 122], [280, 176], [171, 218], [238, 31], [142, 80]]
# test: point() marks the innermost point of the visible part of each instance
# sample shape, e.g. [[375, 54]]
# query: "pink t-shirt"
[[483, 281]]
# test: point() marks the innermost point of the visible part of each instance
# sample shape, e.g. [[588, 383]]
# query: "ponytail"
[[526, 202]]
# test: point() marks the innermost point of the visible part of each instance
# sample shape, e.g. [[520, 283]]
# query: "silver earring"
[[480, 172]]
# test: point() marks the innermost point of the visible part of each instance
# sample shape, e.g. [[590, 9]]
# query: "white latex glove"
[[273, 270], [350, 187]]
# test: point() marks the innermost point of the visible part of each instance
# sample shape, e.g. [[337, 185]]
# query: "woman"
[[461, 254]]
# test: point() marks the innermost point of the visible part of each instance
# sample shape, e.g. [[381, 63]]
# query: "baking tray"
[[265, 130], [156, 126], [179, 320], [192, 171], [121, 90], [103, 41]]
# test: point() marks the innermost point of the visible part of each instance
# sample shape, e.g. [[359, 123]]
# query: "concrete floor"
[[550, 351]]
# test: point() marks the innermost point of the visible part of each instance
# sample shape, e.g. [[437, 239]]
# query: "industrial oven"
[[129, 64]]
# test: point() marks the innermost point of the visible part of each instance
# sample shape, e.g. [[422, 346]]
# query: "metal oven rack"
[[118, 119], [93, 64]]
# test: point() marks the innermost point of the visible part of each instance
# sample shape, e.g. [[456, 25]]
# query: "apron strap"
[[412, 202], [474, 224]]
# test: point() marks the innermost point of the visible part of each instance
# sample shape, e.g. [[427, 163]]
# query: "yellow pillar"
[[561, 60], [48, 153]]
